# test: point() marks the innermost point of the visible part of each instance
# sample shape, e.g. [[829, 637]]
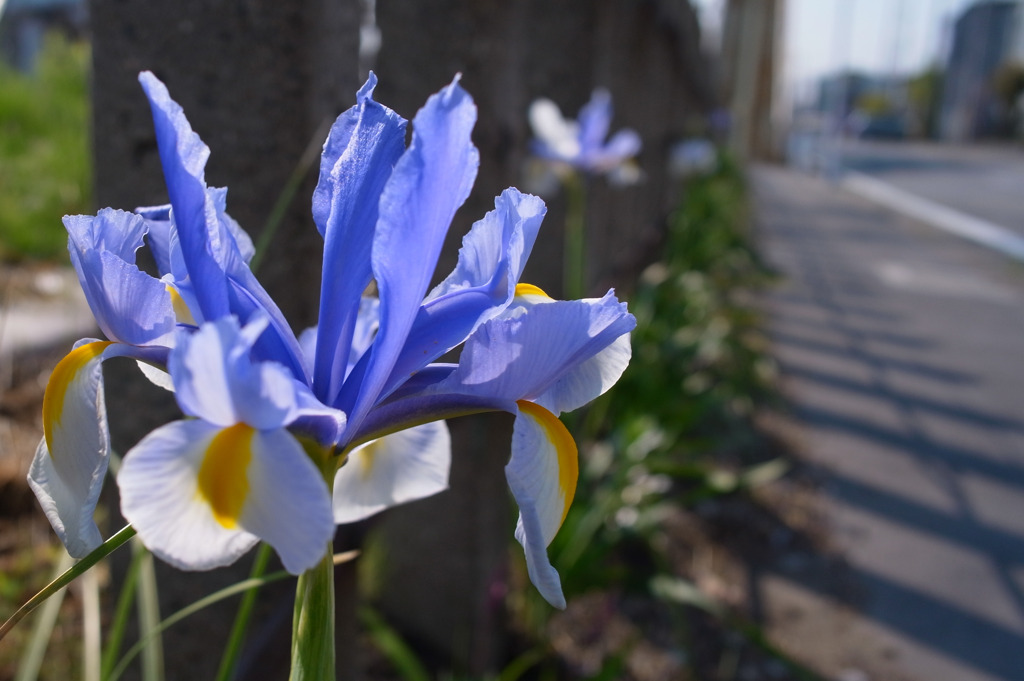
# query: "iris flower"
[[286, 435], [582, 143]]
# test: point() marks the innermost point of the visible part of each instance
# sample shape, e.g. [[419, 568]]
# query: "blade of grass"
[[32, 658], [91, 628], [116, 631], [313, 654], [684, 592], [207, 601], [519, 666], [391, 644], [101, 552], [601, 508], [288, 192], [756, 635], [148, 601], [237, 638]]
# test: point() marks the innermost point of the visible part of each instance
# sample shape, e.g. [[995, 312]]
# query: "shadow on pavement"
[[912, 422]]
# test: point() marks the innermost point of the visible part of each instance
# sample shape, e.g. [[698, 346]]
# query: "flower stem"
[[313, 623], [575, 283], [147, 602], [313, 618]]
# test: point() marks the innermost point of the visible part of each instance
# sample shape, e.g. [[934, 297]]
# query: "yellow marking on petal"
[[223, 482], [366, 454], [66, 371], [525, 290], [565, 450], [182, 314]]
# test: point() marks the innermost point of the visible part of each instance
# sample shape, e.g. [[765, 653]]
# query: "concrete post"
[[256, 79], [749, 65], [444, 583]]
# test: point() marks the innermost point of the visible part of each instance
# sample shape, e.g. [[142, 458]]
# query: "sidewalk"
[[41, 307], [900, 351]]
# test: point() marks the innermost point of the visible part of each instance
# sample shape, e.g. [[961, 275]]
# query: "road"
[[986, 182], [901, 350]]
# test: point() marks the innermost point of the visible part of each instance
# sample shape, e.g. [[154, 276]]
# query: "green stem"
[[227, 592], [122, 611], [309, 156], [575, 237], [32, 658], [147, 603], [207, 601], [101, 552], [313, 623], [234, 646], [390, 643], [313, 616], [92, 633]]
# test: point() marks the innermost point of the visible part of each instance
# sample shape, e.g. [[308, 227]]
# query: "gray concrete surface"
[[984, 181], [39, 308], [900, 348]]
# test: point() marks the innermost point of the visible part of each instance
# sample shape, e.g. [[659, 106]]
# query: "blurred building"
[[986, 36], [864, 105], [749, 61]]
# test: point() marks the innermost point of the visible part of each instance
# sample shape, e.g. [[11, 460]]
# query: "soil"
[[27, 547]]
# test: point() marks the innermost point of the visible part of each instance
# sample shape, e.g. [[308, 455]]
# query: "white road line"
[[967, 226]]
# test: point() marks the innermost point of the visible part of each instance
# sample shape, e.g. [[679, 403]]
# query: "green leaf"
[[284, 200], [313, 623], [519, 666], [207, 601], [116, 631], [684, 592], [69, 575], [763, 473], [148, 601], [391, 644], [92, 630], [233, 649], [32, 658]]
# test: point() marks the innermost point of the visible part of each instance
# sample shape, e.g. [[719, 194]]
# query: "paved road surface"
[[984, 181], [902, 350], [39, 308]]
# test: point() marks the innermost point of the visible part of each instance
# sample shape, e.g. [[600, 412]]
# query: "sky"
[[878, 36]]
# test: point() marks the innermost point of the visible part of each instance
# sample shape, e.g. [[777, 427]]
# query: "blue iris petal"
[[490, 263], [595, 119], [130, 306], [429, 183], [523, 354], [221, 281], [183, 157], [367, 371], [363, 146]]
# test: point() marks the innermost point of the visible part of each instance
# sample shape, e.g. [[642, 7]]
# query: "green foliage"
[[391, 644], [313, 654], [678, 426], [45, 167], [698, 365], [924, 92], [924, 89], [1008, 83], [875, 104], [675, 429]]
